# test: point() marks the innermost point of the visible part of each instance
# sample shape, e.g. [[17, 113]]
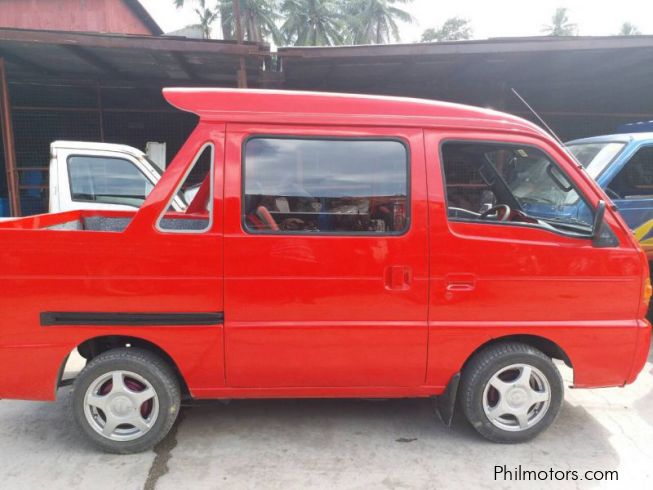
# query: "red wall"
[[71, 15]]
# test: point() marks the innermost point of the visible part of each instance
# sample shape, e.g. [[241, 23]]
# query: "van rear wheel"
[[126, 400], [510, 392]]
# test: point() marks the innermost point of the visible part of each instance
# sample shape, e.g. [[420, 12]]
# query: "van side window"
[[496, 182], [635, 179], [106, 180], [334, 186], [191, 207]]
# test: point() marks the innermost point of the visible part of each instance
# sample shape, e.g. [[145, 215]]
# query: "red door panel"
[[490, 280], [318, 311]]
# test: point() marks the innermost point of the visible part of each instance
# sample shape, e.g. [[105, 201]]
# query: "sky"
[[497, 18]]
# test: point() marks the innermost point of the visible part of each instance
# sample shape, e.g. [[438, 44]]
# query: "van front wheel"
[[510, 392], [126, 400]]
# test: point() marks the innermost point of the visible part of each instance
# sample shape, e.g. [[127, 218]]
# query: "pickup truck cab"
[[336, 246], [622, 164], [89, 175]]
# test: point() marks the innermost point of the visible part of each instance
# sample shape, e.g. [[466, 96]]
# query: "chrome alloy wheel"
[[121, 406], [516, 397]]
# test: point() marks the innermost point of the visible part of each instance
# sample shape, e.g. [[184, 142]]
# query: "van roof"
[[286, 106]]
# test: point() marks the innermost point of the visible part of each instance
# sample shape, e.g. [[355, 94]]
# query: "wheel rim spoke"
[[499, 385], [522, 418], [539, 396], [138, 422], [109, 426], [141, 397], [118, 382], [525, 377], [97, 401]]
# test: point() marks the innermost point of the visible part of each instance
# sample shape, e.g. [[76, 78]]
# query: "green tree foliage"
[[308, 22], [259, 20], [205, 15], [629, 29], [453, 29], [374, 21], [312, 22], [560, 24]]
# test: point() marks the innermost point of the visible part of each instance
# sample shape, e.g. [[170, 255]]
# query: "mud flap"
[[446, 402]]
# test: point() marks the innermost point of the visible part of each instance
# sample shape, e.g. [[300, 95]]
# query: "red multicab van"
[[337, 246]]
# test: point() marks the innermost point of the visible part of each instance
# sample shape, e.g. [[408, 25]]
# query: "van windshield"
[[596, 157], [483, 176]]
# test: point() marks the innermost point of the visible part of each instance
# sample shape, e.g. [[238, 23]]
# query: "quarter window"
[[493, 182], [191, 208], [325, 186], [107, 180]]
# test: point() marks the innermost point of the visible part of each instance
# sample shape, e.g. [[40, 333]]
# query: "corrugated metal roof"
[[167, 59]]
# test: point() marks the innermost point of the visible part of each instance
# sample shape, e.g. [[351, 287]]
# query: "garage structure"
[[107, 87], [581, 86], [104, 88]]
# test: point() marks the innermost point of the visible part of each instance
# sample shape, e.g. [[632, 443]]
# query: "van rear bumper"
[[641, 351]]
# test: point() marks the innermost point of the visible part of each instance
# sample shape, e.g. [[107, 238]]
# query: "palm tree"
[[259, 20], [206, 16], [311, 22], [560, 25], [629, 29], [453, 29], [374, 21]]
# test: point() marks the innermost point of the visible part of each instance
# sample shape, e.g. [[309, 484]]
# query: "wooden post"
[[8, 142], [242, 72]]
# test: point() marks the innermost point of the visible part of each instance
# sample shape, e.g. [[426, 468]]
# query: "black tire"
[[152, 369], [491, 360]]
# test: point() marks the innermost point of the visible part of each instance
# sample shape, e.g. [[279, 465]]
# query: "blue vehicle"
[[622, 164]]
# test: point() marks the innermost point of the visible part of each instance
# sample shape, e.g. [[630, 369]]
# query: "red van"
[[335, 246]]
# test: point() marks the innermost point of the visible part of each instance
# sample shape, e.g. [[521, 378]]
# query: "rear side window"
[[325, 186], [190, 209], [107, 181]]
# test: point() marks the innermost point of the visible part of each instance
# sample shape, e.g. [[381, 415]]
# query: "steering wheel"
[[497, 210]]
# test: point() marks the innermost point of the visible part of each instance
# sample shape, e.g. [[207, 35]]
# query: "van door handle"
[[461, 282], [398, 277]]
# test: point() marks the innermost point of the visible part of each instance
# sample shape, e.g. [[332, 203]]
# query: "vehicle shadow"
[[294, 443], [391, 443]]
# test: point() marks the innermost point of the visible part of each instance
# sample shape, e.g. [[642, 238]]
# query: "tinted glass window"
[[329, 186], [191, 208], [499, 182], [107, 180], [636, 178]]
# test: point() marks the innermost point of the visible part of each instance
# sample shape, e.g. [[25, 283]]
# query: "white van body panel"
[[61, 198]]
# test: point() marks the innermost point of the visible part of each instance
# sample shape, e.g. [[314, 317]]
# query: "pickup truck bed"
[[96, 221]]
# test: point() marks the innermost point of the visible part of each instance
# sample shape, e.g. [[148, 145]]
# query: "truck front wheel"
[[510, 392], [126, 400]]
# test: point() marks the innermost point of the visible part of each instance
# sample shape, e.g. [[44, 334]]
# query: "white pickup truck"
[[86, 175]]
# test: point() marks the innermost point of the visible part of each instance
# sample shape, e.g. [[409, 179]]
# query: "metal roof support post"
[[242, 71], [98, 89], [8, 142]]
